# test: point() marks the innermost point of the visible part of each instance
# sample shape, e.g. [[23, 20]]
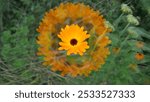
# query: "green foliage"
[[146, 4], [19, 63]]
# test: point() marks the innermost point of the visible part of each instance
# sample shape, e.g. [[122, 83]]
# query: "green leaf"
[[133, 33], [145, 60], [146, 48], [137, 31]]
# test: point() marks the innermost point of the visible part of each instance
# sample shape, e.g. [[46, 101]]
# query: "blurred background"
[[19, 63]]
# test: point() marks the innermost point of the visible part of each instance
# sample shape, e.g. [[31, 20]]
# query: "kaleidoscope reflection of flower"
[[77, 30]]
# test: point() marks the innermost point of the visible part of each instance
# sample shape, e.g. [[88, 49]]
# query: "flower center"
[[73, 42]]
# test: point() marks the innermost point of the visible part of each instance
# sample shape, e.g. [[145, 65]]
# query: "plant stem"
[[124, 41], [116, 22], [125, 28]]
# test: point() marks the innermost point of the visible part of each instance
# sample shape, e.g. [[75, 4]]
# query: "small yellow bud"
[[133, 20], [126, 9], [109, 25]]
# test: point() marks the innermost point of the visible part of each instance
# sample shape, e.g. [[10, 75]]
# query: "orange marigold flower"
[[139, 56], [73, 28], [73, 39]]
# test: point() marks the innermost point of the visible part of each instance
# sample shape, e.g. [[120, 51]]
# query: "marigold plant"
[[73, 39]]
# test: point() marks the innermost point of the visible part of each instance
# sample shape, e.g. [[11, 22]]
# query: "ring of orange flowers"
[[58, 18]]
